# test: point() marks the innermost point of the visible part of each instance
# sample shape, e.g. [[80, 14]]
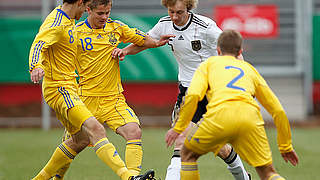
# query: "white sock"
[[173, 170], [237, 169]]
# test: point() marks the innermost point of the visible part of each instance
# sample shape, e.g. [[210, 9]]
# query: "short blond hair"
[[190, 4]]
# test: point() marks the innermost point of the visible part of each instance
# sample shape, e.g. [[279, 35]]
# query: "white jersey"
[[194, 43]]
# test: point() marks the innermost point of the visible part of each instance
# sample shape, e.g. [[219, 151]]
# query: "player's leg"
[[189, 165], [104, 149], [67, 150], [62, 155], [251, 141], [267, 172], [230, 157], [91, 103], [173, 170], [132, 134], [122, 119], [62, 171], [234, 163], [226, 153]]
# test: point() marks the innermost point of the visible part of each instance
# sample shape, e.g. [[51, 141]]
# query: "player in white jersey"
[[195, 41]]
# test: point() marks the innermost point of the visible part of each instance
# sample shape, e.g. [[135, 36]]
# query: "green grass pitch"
[[23, 152]]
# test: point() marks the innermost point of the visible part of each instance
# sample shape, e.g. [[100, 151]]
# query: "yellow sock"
[[61, 172], [189, 170], [276, 177], [134, 156], [62, 155], [108, 154]]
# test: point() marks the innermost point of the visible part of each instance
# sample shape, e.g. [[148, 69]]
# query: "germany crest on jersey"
[[196, 45]]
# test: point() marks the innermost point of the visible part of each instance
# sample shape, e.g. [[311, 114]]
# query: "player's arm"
[[140, 41], [133, 49], [42, 41], [271, 103], [195, 93]]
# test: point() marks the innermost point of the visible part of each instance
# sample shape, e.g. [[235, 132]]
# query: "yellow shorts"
[[237, 123], [64, 100], [112, 110]]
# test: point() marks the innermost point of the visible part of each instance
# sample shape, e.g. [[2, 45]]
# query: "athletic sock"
[[134, 156], [173, 170], [189, 170], [61, 172], [236, 167], [276, 177], [108, 154], [62, 155]]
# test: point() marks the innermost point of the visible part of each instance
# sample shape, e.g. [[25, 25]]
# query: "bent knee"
[[130, 131], [187, 155], [93, 126]]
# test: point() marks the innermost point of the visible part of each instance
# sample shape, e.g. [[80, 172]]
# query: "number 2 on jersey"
[[234, 80]]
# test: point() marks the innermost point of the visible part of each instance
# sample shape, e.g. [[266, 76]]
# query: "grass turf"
[[23, 152]]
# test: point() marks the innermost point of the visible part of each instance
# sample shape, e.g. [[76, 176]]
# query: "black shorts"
[[201, 109]]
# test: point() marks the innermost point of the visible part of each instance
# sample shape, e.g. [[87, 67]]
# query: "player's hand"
[[36, 75], [171, 137], [119, 54], [291, 156], [164, 39]]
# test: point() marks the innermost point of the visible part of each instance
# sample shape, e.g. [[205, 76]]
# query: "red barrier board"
[[252, 21]]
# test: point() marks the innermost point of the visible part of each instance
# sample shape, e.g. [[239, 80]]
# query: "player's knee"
[[188, 156], [130, 131], [94, 128], [225, 152], [136, 133], [82, 144], [179, 141], [266, 171]]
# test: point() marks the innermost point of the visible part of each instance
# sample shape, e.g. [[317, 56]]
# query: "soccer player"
[[233, 116], [195, 41], [53, 55], [100, 84]]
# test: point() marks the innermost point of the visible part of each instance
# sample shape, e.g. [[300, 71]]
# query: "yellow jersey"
[[226, 79], [54, 47], [99, 72]]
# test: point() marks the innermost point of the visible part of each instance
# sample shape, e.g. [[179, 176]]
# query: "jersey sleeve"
[[213, 33], [196, 92], [271, 103], [132, 35], [155, 32], [42, 41]]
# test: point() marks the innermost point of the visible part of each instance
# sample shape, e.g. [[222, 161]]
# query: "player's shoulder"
[[56, 19], [112, 22], [249, 65], [203, 21], [165, 19], [213, 59], [81, 26]]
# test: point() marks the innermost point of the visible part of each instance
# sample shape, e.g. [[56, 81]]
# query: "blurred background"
[[281, 39]]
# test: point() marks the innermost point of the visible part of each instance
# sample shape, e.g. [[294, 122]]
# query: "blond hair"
[[190, 4]]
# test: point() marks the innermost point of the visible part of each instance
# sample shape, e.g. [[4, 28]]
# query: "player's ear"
[[80, 2], [219, 51], [240, 52]]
